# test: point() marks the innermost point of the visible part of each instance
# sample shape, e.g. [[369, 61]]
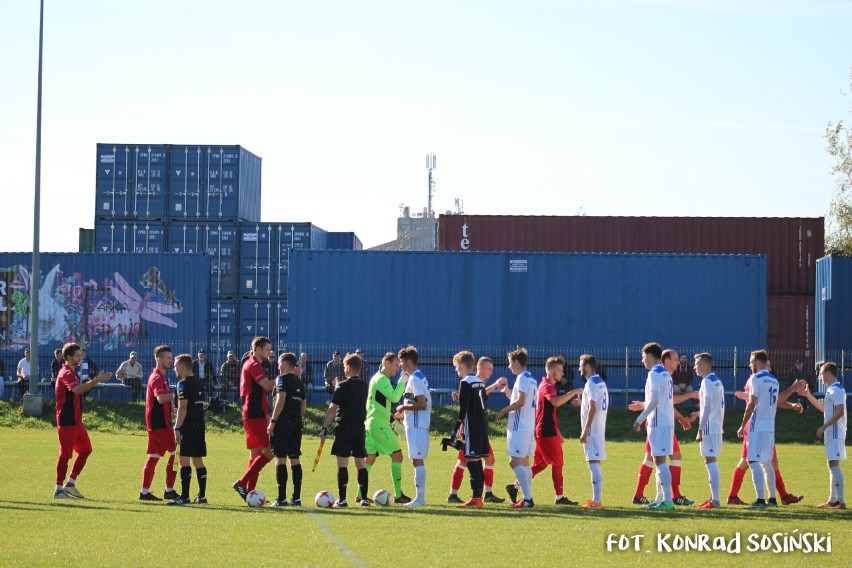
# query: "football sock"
[[249, 478], [185, 478], [201, 472], [837, 484], [779, 484], [736, 481], [342, 482], [713, 473], [281, 477], [769, 472], [79, 464], [477, 477], [645, 471], [297, 480], [420, 483], [396, 475], [488, 471], [369, 468], [458, 476], [597, 481], [524, 476], [363, 482], [664, 477], [537, 468], [556, 475], [61, 470], [171, 474], [674, 467], [758, 479], [148, 472]]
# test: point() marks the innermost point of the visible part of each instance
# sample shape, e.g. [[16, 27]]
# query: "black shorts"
[[476, 445], [349, 441], [193, 443], [286, 440]]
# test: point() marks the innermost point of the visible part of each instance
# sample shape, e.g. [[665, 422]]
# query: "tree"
[[839, 234]]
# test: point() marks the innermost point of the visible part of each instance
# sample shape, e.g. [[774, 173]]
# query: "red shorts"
[[490, 453], [256, 434], [675, 449], [73, 439], [549, 451], [161, 441], [744, 453]]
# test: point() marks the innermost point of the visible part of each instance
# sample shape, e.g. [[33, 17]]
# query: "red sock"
[[675, 469], [538, 468], [61, 470], [645, 472], [148, 472], [556, 475], [779, 484], [736, 482], [79, 464], [249, 478], [489, 475], [171, 473], [458, 477]]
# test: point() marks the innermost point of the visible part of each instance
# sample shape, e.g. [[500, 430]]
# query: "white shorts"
[[710, 445], [759, 446], [520, 444], [661, 440], [835, 449], [418, 443], [595, 448]]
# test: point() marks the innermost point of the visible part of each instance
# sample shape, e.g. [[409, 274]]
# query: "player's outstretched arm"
[[566, 397], [790, 391], [806, 392], [522, 397], [679, 398]]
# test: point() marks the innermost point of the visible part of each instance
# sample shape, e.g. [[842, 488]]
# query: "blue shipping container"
[[224, 324], [109, 303], [833, 308], [266, 317], [214, 183], [264, 254], [506, 299], [114, 190], [220, 241], [343, 241], [130, 236]]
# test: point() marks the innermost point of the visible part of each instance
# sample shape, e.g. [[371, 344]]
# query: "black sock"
[[201, 473], [477, 477], [363, 481], [185, 478], [342, 481], [281, 476], [297, 481]]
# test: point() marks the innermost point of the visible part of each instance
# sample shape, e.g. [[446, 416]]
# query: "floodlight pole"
[[430, 165]]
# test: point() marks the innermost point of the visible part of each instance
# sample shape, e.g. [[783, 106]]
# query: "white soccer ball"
[[256, 498], [324, 499], [382, 497]]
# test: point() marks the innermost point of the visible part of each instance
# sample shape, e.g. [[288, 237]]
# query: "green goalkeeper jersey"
[[382, 396]]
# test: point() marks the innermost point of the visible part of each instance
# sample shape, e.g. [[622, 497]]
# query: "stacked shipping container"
[[834, 310]]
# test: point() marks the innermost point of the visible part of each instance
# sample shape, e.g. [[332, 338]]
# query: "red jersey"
[[255, 404], [157, 415], [69, 411], [546, 421]]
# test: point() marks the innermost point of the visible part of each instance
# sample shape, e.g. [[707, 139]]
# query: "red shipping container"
[[790, 323], [791, 245]]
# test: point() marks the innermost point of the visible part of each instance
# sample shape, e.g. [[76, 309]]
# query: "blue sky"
[[609, 107]]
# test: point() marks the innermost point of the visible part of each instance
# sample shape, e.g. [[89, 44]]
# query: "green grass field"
[[111, 527]]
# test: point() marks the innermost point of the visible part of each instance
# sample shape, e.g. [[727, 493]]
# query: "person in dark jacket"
[[204, 370]]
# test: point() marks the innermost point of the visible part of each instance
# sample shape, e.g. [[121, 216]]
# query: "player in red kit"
[[254, 385], [158, 423], [73, 436]]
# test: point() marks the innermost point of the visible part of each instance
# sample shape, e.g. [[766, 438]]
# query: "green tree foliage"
[[839, 234]]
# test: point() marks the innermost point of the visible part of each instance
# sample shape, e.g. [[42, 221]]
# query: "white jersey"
[[764, 386], [523, 419], [417, 386], [659, 381], [711, 398], [595, 390], [835, 396]]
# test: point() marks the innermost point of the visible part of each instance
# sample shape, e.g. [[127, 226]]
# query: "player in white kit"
[[593, 410], [711, 414], [833, 431], [520, 432], [415, 411], [759, 419], [659, 412]]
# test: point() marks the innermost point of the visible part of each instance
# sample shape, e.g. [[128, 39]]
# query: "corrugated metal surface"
[[187, 171], [268, 317], [232, 181], [112, 303], [833, 308], [130, 236], [224, 324], [791, 245], [264, 253], [86, 240], [132, 181], [343, 241], [790, 323], [220, 241], [497, 299]]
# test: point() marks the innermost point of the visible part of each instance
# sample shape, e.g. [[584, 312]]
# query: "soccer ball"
[[382, 497], [256, 498], [324, 499]]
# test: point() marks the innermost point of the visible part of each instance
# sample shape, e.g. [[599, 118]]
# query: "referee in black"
[[189, 431], [285, 429]]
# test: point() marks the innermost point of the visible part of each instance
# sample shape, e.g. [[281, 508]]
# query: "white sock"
[[145, 491], [832, 488], [758, 479], [597, 481], [664, 474], [59, 488], [420, 484], [770, 478], [70, 481], [837, 483], [524, 476], [713, 471]]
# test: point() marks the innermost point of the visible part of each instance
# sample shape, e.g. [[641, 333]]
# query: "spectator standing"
[[307, 375], [365, 367], [130, 373], [333, 372], [24, 373], [56, 366], [230, 374], [682, 376], [205, 371]]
